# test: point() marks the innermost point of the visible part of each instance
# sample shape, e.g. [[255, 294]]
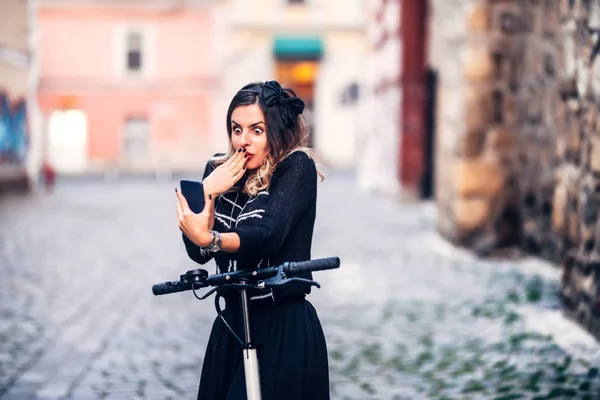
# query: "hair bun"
[[291, 107]]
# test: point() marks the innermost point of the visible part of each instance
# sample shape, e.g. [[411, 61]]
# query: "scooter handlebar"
[[321, 264], [172, 287], [289, 268]]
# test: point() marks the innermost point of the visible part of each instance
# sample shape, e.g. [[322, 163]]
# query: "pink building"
[[126, 85]]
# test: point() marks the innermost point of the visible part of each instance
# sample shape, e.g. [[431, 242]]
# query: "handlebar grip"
[[170, 287], [312, 265]]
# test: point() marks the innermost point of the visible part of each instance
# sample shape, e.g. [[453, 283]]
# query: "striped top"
[[274, 226]]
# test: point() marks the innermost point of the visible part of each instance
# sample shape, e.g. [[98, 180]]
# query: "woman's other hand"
[[196, 227], [227, 174]]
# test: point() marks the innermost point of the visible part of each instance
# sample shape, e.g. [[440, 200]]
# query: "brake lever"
[[282, 280]]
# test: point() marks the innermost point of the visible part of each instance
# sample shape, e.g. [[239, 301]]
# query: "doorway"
[[67, 141], [300, 76], [428, 182]]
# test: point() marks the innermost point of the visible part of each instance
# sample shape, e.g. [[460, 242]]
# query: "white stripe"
[[260, 210], [221, 220], [231, 202], [249, 216], [224, 216], [259, 193]]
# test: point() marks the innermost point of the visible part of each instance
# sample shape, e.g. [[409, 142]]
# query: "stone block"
[[583, 78], [448, 138], [564, 9], [589, 200], [594, 17], [586, 236], [479, 18], [584, 155], [471, 213], [508, 17], [595, 78], [479, 65], [594, 153], [580, 11], [480, 177], [478, 109], [510, 109], [534, 58], [500, 139], [573, 228], [590, 121], [573, 138], [471, 144], [559, 208], [537, 14]]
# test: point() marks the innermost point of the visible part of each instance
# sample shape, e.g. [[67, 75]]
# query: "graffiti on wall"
[[13, 131]]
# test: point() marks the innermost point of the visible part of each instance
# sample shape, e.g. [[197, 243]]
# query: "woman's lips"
[[250, 155]]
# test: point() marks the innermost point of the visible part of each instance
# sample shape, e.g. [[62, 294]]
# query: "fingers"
[[241, 162], [237, 168], [238, 175], [180, 218], [179, 212], [183, 202], [239, 153]]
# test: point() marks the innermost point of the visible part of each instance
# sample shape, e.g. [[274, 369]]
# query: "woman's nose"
[[245, 139]]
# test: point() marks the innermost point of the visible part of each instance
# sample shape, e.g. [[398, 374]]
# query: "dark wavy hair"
[[283, 137]]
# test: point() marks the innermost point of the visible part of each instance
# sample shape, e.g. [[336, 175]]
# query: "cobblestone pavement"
[[407, 316]]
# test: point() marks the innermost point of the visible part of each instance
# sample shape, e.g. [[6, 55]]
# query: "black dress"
[[274, 226]]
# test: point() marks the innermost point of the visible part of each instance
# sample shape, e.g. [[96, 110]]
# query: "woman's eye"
[[237, 131], [258, 131]]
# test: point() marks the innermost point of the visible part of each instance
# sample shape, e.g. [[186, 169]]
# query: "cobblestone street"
[[407, 316]]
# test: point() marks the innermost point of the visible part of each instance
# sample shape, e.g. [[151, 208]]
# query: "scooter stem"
[[249, 354]]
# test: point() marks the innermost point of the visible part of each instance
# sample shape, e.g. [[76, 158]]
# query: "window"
[[350, 94], [136, 135], [134, 51]]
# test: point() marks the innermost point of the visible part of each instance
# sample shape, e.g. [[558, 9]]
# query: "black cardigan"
[[274, 226]]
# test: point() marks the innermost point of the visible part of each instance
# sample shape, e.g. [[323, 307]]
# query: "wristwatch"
[[215, 244]]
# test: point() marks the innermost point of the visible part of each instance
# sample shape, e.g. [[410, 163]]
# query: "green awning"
[[298, 48]]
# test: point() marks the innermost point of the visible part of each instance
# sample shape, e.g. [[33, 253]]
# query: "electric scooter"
[[261, 278]]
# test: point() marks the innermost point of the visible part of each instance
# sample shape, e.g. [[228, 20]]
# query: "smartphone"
[[193, 191]]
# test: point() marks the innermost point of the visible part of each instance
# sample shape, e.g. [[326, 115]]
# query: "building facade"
[[398, 134], [133, 92], [316, 47], [20, 145]]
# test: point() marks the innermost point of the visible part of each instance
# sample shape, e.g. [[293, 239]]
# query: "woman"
[[260, 210]]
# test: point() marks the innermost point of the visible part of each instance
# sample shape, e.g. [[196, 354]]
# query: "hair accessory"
[[291, 107]]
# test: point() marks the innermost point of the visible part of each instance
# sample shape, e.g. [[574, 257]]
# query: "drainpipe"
[[413, 25]]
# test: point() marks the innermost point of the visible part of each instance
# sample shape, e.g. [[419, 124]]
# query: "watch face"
[[218, 241], [216, 245]]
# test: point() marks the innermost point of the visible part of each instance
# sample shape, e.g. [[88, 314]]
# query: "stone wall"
[[518, 137], [577, 192], [475, 46], [534, 68]]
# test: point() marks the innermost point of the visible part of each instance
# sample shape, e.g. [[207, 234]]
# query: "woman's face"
[[248, 131]]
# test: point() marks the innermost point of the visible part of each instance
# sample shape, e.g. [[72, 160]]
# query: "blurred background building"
[[146, 85], [126, 86], [490, 107], [20, 141], [318, 48]]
